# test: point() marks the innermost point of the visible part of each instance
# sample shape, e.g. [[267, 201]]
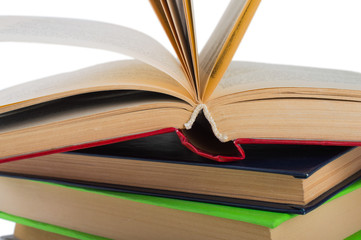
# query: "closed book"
[[286, 178], [115, 215]]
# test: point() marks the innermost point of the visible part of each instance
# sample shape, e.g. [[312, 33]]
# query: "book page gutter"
[[92, 34]]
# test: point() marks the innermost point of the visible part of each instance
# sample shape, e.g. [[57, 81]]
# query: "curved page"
[[119, 75], [92, 34], [223, 43], [247, 76]]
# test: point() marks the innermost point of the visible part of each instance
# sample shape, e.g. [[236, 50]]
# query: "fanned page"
[[159, 11], [223, 43], [176, 17], [92, 34], [185, 13], [190, 28]]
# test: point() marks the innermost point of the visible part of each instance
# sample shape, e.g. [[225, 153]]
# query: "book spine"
[[295, 142], [219, 158], [202, 107]]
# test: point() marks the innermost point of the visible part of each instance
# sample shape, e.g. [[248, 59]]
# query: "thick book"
[[116, 215], [24, 232], [284, 178], [242, 102]]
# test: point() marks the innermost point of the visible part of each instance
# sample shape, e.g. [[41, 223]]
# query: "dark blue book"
[[284, 178]]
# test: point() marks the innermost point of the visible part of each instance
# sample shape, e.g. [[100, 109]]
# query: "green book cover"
[[355, 236], [258, 217]]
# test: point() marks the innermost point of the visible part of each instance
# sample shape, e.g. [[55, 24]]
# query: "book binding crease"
[[188, 125]]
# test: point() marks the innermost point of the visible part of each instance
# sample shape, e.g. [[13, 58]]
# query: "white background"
[[318, 33]]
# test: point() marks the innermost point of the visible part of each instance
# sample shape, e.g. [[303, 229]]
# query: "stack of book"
[[194, 148], [155, 188]]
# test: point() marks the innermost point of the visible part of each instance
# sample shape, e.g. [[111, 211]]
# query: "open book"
[[213, 104]]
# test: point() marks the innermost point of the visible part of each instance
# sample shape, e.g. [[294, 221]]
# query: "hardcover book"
[[284, 178], [155, 93], [83, 213], [25, 232]]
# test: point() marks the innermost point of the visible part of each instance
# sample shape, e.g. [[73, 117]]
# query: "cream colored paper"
[[213, 47], [119, 75], [220, 48], [246, 76], [92, 34]]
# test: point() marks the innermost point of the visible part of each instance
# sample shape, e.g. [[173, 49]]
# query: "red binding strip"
[[188, 144], [294, 142], [202, 153], [88, 145]]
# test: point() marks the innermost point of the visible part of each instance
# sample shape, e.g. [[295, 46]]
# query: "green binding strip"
[[258, 217], [355, 236], [85, 236], [50, 228]]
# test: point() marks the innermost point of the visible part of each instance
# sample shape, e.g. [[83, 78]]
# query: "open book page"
[[176, 18], [119, 75], [120, 102], [92, 34], [158, 9], [247, 76], [223, 43], [162, 10], [89, 120], [190, 29], [182, 24]]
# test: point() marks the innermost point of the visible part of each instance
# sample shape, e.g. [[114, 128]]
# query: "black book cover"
[[299, 161]]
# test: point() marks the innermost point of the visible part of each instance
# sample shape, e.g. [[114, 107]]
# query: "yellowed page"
[[172, 23], [92, 34], [177, 17], [188, 11], [168, 27], [181, 15], [158, 9], [87, 108], [177, 20], [81, 125], [223, 43], [119, 75], [247, 76]]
